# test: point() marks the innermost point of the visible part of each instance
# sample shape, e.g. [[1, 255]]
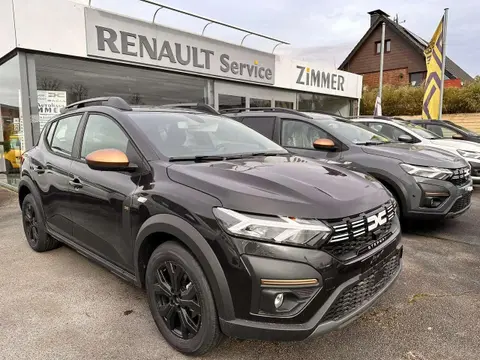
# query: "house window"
[[416, 79], [378, 46]]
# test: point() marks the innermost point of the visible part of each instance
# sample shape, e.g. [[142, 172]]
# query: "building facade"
[[83, 52], [404, 60]]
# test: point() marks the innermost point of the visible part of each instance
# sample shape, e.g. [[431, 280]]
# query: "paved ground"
[[59, 305]]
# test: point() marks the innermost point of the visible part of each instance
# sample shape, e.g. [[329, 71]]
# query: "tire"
[[34, 226], [189, 299]]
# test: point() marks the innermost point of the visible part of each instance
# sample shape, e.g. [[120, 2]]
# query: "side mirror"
[[324, 144], [457, 136], [109, 160], [405, 138]]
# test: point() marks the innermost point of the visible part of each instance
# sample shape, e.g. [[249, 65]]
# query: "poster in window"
[[49, 104]]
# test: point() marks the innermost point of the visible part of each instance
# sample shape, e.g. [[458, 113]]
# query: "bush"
[[408, 100]]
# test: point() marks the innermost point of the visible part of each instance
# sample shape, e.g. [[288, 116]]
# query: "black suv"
[[228, 232], [448, 130], [426, 182]]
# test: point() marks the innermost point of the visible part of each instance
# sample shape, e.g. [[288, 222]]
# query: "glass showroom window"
[[11, 130], [332, 104], [63, 81]]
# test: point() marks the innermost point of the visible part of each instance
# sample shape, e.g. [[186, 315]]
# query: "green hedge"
[[407, 100]]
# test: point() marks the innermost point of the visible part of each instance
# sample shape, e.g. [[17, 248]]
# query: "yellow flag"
[[434, 59]]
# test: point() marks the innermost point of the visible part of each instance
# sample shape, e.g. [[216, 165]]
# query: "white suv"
[[404, 131]]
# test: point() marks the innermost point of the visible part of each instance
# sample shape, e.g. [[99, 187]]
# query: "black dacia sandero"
[[228, 232]]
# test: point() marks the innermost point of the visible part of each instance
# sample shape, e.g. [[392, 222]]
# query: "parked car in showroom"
[[448, 130], [405, 131], [427, 183], [228, 232]]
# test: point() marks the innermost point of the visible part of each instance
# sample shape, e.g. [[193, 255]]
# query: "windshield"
[[471, 132], [189, 135], [355, 133], [418, 130]]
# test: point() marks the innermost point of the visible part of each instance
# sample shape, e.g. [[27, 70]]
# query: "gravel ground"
[[59, 305]]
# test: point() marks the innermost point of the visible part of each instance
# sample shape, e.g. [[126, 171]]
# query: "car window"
[[187, 135], [300, 134], [418, 130], [63, 135], [350, 132], [263, 125], [442, 131], [102, 132], [389, 131]]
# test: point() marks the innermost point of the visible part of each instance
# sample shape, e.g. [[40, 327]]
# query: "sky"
[[322, 30]]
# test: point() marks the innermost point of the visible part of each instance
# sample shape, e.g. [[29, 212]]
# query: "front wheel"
[[181, 301]]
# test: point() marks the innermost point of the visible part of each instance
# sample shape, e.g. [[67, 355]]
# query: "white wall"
[[287, 73], [7, 28], [56, 26]]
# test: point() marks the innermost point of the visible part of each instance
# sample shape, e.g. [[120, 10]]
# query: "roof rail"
[[112, 101], [279, 109], [194, 106]]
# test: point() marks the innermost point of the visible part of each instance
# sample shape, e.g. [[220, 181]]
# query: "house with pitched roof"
[[404, 60]]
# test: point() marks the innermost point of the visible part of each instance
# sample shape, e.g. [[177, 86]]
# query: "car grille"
[[461, 203], [354, 236], [361, 292], [460, 177]]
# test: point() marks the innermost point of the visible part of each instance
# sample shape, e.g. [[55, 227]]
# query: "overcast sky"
[[325, 30]]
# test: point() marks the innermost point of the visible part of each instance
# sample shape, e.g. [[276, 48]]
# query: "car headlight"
[[469, 154], [279, 229], [427, 172]]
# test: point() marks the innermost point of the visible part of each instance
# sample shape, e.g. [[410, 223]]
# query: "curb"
[[8, 187]]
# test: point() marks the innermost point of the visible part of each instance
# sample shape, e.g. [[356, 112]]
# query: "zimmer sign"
[[116, 37]]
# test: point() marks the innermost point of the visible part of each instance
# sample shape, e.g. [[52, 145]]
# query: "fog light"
[[278, 300]]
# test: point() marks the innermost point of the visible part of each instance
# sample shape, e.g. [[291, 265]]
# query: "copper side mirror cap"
[[107, 158], [323, 144]]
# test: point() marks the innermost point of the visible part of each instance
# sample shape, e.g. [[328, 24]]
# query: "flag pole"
[[382, 52], [444, 61]]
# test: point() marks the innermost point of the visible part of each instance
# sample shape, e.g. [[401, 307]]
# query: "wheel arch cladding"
[[396, 190], [26, 186], [175, 227]]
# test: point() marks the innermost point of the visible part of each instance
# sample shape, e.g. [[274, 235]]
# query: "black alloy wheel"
[[30, 224], [181, 301], [177, 300]]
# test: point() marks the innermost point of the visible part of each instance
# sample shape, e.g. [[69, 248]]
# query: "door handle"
[[38, 169], [76, 183]]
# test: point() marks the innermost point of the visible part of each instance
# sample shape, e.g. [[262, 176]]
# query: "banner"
[[378, 107], [49, 104], [433, 83]]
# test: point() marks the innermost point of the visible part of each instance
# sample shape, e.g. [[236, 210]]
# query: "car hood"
[[417, 155], [457, 144], [283, 185]]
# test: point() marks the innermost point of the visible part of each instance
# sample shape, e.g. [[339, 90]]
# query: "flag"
[[434, 59], [378, 107]]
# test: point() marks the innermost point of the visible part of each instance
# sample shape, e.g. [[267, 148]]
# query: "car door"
[[298, 136], [100, 200], [50, 169]]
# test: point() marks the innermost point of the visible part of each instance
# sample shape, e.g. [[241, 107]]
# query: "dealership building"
[[82, 52]]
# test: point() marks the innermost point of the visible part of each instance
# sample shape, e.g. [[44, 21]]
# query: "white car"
[[404, 131]]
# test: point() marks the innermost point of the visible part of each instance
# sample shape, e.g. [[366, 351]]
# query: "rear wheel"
[[34, 226], [181, 301]]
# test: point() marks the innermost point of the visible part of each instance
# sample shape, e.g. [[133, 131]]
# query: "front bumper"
[[457, 202], [342, 306], [475, 171]]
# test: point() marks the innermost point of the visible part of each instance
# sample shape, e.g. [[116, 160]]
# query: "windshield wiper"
[[200, 158], [371, 142], [265, 153]]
